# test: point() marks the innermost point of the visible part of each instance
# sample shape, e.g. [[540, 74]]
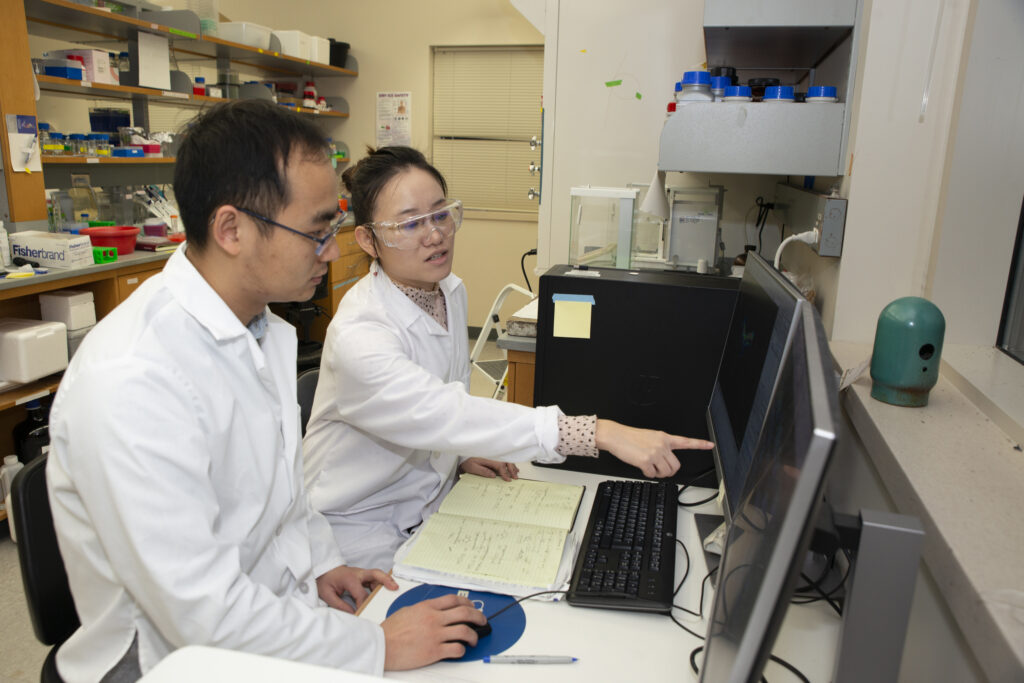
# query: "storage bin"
[[245, 33], [121, 237], [30, 349], [339, 52], [294, 43], [319, 50], [75, 308]]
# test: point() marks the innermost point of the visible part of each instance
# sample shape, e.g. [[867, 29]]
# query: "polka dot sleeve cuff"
[[576, 435]]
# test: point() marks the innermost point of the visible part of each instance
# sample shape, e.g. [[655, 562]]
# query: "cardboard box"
[[97, 64], [75, 308], [51, 249]]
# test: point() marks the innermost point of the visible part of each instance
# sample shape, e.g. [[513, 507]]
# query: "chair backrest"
[[42, 568], [306, 388]]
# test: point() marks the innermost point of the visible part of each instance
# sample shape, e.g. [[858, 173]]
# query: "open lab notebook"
[[506, 537]]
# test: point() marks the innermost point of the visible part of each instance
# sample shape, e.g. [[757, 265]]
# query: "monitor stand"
[[706, 524]]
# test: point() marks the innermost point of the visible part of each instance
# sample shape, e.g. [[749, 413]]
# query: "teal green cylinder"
[[907, 352]]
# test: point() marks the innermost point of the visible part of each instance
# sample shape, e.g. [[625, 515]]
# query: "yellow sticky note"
[[572, 315]]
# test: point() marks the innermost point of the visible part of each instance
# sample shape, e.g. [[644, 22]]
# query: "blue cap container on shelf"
[[737, 93], [697, 78], [778, 93], [822, 93], [128, 152]]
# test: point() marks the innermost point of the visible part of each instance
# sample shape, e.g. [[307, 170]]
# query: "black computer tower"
[[654, 344]]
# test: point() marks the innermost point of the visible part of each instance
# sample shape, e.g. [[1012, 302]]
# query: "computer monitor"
[[763, 322], [772, 525]]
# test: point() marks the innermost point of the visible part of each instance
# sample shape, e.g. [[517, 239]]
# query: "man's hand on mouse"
[[429, 631]]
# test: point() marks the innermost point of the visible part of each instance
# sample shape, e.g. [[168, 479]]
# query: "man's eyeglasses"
[[410, 233], [321, 238]]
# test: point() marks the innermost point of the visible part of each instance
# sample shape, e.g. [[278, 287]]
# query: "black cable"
[[527, 597], [686, 486], [687, 572], [522, 266], [829, 594], [695, 503], [693, 658], [792, 669], [824, 595], [700, 603]]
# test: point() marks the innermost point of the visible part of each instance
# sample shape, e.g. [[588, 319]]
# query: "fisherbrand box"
[[51, 249]]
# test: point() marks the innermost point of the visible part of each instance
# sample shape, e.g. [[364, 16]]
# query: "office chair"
[[306, 388], [494, 370], [50, 605]]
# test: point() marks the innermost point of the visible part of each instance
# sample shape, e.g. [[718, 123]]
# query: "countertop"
[[952, 466]]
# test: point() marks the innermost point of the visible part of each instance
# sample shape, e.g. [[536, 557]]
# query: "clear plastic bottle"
[[124, 64], [79, 147], [696, 87], [55, 144]]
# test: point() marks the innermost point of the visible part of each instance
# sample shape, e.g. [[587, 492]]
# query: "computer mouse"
[[480, 629]]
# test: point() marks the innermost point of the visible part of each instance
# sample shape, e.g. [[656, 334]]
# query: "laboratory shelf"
[[72, 22], [82, 161], [27, 392], [127, 92]]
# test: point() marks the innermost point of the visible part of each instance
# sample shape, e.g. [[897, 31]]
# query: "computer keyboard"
[[627, 558]]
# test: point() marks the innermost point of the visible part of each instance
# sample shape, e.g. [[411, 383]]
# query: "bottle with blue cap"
[[718, 86], [822, 94], [779, 94], [695, 87], [737, 93]]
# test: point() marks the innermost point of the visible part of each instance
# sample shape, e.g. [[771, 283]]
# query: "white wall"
[[605, 136], [982, 192], [899, 156]]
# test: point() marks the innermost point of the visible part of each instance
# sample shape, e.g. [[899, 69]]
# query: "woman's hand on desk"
[[428, 631], [357, 582], [490, 468], [646, 449]]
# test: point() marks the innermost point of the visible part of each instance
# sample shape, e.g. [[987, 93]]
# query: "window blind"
[[486, 106]]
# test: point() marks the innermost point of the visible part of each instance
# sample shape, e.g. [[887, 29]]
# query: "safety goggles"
[[321, 238], [411, 232]]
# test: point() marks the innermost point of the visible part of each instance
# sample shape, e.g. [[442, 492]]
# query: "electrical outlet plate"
[[799, 209]]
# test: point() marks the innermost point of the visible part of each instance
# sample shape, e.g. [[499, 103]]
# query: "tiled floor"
[[21, 655]]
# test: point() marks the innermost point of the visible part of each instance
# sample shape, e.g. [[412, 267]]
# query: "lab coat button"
[[304, 587]]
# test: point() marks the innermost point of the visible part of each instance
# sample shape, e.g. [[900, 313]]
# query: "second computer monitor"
[[773, 524], [763, 322]]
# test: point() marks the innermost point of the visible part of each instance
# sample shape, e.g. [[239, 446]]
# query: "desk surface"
[[623, 646]]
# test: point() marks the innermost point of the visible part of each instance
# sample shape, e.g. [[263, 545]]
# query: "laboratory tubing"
[[696, 87], [822, 94], [718, 86], [7, 472], [779, 93], [737, 93]]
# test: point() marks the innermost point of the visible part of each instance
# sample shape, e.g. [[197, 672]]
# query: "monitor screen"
[[759, 334], [772, 526]]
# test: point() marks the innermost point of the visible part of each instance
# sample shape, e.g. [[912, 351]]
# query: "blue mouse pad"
[[506, 628]]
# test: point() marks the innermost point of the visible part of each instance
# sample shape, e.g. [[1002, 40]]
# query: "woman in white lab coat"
[[393, 421]]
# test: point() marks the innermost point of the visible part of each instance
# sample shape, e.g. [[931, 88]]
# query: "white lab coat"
[[176, 488], [392, 415]]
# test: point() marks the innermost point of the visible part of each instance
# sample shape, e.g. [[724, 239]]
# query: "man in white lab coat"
[[175, 474]]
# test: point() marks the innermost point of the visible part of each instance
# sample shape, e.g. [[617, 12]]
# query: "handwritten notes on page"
[[492, 530]]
